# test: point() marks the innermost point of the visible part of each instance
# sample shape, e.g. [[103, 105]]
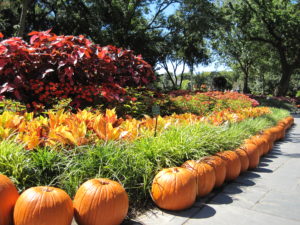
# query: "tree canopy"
[[258, 39]]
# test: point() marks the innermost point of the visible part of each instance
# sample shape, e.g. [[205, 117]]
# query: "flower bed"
[[33, 166], [133, 163], [86, 127]]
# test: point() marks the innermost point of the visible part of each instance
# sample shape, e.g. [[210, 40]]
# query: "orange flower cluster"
[[85, 127]]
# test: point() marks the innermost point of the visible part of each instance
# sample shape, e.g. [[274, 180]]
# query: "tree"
[[25, 4], [236, 51], [277, 24], [189, 28], [129, 24]]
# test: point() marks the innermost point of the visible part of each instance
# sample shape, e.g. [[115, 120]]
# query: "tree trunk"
[[245, 86], [283, 86], [191, 77], [263, 83], [25, 4]]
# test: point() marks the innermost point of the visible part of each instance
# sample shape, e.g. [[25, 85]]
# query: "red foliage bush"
[[52, 66]]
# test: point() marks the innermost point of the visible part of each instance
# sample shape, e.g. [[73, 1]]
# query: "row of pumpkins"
[[103, 201], [177, 188]]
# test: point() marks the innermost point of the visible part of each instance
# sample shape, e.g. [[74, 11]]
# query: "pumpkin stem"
[[46, 189], [104, 182], [175, 170]]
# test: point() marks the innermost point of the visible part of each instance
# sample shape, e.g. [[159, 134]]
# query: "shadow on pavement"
[[265, 160], [221, 199], [263, 164], [262, 170], [203, 212]]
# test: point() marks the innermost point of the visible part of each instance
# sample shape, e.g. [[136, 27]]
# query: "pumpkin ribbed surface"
[[244, 159], [174, 188], [219, 166], [260, 143], [268, 137], [43, 206], [253, 154], [233, 164], [100, 201], [277, 132], [8, 198], [290, 121], [205, 176], [283, 126]]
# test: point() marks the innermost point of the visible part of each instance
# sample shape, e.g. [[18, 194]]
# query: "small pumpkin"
[[260, 142], [205, 176], [283, 125], [100, 201], [277, 131], [233, 164], [8, 198], [244, 159], [174, 188], [253, 154], [219, 166], [290, 121], [270, 133], [43, 205], [268, 137]]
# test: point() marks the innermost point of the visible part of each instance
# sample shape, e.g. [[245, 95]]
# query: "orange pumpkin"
[[264, 144], [283, 127], [253, 154], [8, 198], [43, 205], [283, 123], [277, 132], [270, 133], [100, 201], [205, 176], [268, 136], [219, 166], [174, 188], [244, 159], [233, 164], [290, 121], [260, 142]]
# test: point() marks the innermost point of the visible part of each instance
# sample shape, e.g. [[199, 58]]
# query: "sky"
[[199, 69]]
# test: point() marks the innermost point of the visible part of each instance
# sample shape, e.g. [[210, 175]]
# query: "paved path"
[[269, 194]]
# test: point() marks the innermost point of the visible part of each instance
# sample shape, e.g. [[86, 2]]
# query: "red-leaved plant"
[[54, 67]]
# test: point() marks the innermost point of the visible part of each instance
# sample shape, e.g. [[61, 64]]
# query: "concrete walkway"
[[269, 194]]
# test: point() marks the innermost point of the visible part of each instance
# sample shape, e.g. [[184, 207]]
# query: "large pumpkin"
[[253, 154], [174, 188], [8, 198], [205, 176], [233, 164], [219, 166], [244, 159], [43, 206], [100, 201]]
